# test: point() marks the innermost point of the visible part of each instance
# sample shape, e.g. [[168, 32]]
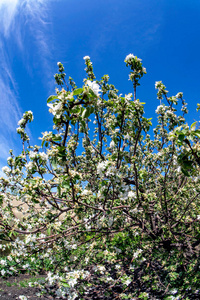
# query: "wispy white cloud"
[[27, 17], [19, 20], [8, 10]]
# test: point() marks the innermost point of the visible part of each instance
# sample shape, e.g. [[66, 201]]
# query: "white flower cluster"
[[20, 130], [131, 194], [104, 168], [161, 89], [85, 192], [137, 253], [94, 87], [10, 161], [101, 167], [29, 166], [99, 268], [27, 116], [73, 276], [6, 170], [128, 97], [86, 57], [3, 262], [127, 281], [47, 135], [160, 110], [22, 122], [55, 109], [30, 239], [179, 95], [51, 278], [38, 155], [158, 84], [130, 57], [170, 114]]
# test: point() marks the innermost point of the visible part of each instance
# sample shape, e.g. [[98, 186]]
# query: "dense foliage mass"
[[108, 207]]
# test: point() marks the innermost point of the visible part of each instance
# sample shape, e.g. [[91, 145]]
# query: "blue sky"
[[36, 34]]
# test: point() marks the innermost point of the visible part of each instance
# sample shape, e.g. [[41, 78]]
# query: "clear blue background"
[[36, 34]]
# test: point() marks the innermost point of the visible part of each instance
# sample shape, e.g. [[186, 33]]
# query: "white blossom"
[[72, 282], [22, 297], [144, 70], [86, 57], [33, 154], [131, 194], [55, 109], [3, 272], [179, 95], [43, 156], [20, 130], [127, 282], [160, 109], [101, 167], [21, 122], [29, 166], [6, 169], [85, 192], [128, 97], [3, 262], [137, 253], [129, 57], [117, 267], [94, 87], [158, 84], [112, 144], [109, 279]]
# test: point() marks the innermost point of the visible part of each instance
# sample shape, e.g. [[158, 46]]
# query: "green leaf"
[[92, 94], [42, 143], [86, 112], [65, 284], [62, 151], [59, 191], [181, 137], [193, 125], [66, 184], [33, 181], [56, 121], [49, 231], [77, 91], [54, 162], [51, 98], [35, 200], [56, 138], [197, 133]]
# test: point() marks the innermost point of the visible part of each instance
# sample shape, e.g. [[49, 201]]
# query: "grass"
[[24, 283]]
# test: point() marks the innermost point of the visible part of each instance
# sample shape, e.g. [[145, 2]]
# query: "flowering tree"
[[107, 209]]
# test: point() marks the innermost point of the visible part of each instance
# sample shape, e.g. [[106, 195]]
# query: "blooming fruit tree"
[[105, 208]]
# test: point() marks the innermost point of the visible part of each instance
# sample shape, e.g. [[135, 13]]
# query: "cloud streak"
[[20, 20]]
